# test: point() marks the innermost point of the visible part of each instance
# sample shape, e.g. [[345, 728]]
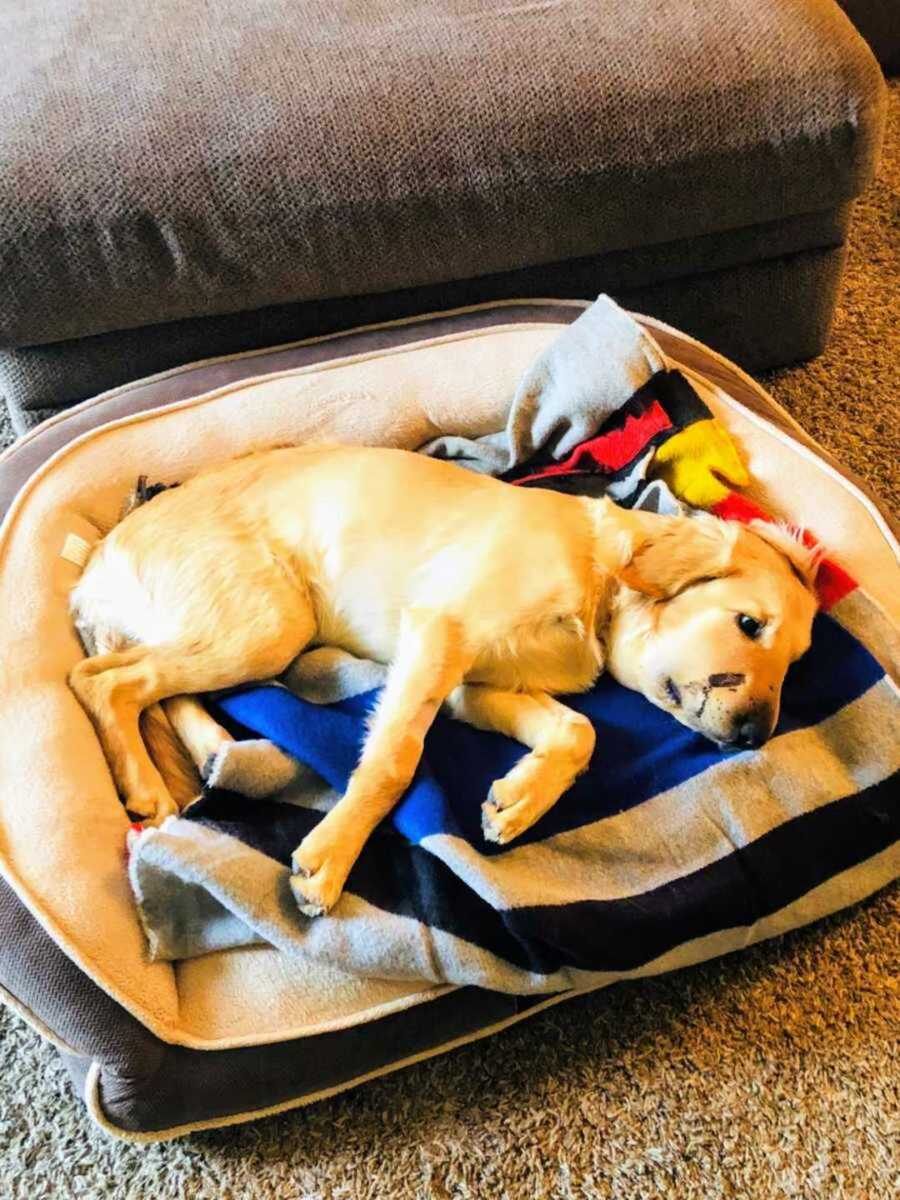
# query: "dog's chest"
[[559, 654]]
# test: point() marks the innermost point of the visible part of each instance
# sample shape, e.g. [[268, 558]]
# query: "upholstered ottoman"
[[184, 181], [159, 1048]]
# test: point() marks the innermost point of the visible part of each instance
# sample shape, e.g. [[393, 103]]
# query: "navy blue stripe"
[[390, 874], [754, 881]]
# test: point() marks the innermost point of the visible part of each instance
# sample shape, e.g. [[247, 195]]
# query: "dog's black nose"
[[751, 728]]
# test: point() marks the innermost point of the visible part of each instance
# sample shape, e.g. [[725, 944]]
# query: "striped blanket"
[[665, 840], [665, 851]]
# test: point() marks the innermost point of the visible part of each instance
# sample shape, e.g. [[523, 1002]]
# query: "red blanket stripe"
[[832, 582], [614, 449]]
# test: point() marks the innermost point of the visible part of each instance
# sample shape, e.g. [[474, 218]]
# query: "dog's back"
[[364, 533]]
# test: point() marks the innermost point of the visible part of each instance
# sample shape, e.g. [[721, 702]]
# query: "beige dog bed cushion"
[[158, 1048]]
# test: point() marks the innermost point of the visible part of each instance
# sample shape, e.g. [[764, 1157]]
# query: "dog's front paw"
[[318, 878], [506, 813]]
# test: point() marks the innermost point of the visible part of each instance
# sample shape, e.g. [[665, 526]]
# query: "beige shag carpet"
[[767, 1075]]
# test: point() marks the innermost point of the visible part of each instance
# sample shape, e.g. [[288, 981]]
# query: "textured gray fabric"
[[254, 767], [164, 161], [53, 376], [49, 985], [327, 674], [726, 310], [7, 433], [197, 1085], [774, 311]]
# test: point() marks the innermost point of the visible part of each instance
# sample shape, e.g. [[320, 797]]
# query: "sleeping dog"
[[484, 599]]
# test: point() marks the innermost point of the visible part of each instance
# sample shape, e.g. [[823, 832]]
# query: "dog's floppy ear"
[[676, 552], [788, 540]]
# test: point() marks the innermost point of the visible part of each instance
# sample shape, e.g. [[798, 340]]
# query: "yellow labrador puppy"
[[484, 598]]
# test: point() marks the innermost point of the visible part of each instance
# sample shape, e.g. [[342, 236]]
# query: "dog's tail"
[[170, 757], [141, 493]]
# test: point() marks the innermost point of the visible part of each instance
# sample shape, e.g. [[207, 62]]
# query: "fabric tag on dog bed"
[[75, 550]]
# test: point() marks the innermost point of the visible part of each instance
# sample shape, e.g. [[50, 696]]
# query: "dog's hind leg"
[[115, 688], [170, 756], [429, 662], [117, 722], [561, 743]]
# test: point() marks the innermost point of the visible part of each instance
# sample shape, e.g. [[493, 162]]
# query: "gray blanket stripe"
[[586, 373], [872, 627]]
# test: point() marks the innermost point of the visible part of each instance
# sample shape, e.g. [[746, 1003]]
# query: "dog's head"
[[711, 616]]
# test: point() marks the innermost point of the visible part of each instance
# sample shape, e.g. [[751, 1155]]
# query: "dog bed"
[[159, 1048]]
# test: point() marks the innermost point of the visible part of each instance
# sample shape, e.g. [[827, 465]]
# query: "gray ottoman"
[[184, 181]]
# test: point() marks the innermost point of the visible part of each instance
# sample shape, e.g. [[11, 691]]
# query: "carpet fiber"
[[774, 1073]]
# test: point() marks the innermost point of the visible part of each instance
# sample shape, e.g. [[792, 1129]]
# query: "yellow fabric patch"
[[700, 464]]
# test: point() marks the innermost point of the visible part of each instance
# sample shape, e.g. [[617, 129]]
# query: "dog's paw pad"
[[305, 862], [256, 768], [494, 825], [318, 876], [141, 808], [489, 826]]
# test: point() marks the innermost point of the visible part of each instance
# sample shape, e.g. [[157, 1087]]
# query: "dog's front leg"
[[561, 741], [430, 661]]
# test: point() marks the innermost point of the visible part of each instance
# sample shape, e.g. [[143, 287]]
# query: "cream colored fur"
[[484, 598]]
